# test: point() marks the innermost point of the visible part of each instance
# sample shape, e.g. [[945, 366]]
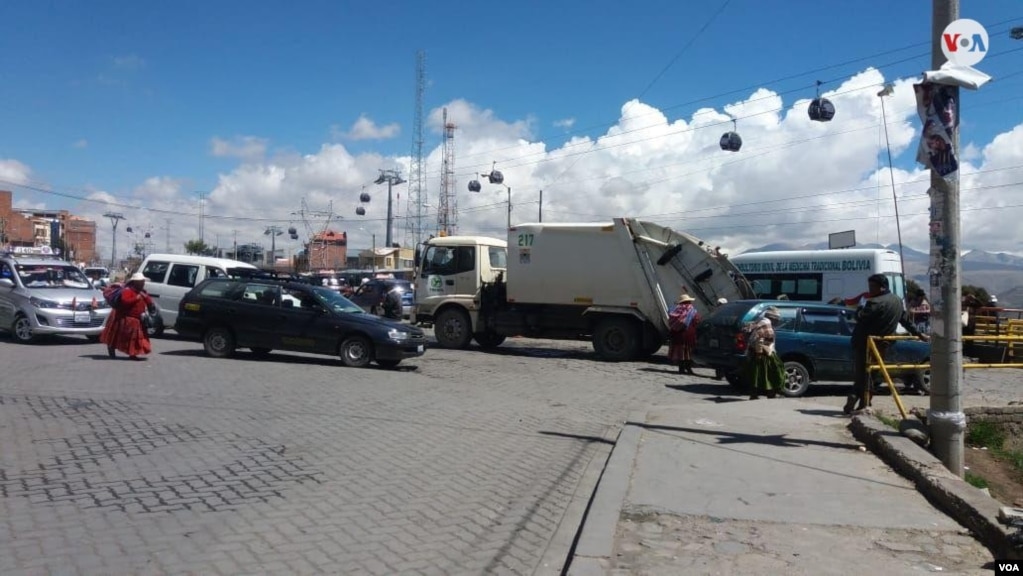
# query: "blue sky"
[[103, 95]]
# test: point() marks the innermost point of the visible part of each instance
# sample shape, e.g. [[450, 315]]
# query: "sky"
[[239, 116]]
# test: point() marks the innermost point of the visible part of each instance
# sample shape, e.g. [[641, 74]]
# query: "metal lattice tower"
[[416, 183], [447, 212], [307, 216]]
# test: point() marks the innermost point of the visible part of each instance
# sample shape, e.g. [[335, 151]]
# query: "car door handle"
[[449, 282], [154, 295]]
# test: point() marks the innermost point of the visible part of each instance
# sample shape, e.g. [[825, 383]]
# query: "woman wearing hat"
[[682, 323], [763, 368], [124, 330]]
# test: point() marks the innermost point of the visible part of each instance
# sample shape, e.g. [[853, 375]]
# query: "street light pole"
[[115, 217]]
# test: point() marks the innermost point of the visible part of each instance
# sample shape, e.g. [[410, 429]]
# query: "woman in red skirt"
[[124, 330], [682, 323]]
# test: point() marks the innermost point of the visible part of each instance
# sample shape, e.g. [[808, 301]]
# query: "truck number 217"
[[525, 239]]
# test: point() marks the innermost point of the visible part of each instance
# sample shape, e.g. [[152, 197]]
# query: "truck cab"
[[452, 270]]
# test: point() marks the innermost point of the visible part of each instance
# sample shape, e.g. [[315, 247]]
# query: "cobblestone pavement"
[[185, 464], [459, 463]]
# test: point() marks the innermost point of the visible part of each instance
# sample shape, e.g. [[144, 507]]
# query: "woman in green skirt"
[[763, 369]]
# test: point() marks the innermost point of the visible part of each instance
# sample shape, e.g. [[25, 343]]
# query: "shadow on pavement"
[[577, 437], [285, 358], [724, 437], [833, 412]]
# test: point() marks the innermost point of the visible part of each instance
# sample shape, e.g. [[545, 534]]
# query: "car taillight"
[[740, 342]]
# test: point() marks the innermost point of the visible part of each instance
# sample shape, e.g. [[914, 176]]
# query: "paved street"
[[460, 463], [186, 464]]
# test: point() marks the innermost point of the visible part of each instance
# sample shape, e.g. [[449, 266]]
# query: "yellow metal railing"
[[878, 363]]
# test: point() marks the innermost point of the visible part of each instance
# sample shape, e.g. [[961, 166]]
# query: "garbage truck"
[[612, 283]]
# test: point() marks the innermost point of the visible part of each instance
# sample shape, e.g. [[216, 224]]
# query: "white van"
[[170, 276], [819, 275]]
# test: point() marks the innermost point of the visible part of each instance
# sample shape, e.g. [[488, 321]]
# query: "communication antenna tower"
[[447, 212], [416, 182]]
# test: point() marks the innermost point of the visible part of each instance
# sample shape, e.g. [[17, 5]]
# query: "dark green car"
[[265, 314]]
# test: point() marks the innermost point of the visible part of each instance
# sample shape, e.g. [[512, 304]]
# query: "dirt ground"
[[1004, 482]]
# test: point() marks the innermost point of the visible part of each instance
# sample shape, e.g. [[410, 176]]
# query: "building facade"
[[58, 229], [327, 250]]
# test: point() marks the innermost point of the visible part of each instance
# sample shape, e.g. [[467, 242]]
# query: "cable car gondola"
[[731, 141], [360, 211], [821, 109]]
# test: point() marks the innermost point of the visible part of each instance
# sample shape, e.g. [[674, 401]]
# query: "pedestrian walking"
[[125, 329], [920, 309], [880, 315], [682, 322], [763, 369]]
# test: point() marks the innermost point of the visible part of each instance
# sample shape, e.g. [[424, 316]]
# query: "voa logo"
[[964, 42]]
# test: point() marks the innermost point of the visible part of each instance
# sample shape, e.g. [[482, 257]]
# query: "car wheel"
[[488, 339], [453, 329], [616, 339], [219, 342], [388, 363], [155, 328], [22, 329], [356, 352], [797, 379], [261, 353], [920, 379]]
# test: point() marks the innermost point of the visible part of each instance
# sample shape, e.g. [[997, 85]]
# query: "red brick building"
[[328, 250], [75, 236]]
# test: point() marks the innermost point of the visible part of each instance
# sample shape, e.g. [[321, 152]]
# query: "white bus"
[[819, 275]]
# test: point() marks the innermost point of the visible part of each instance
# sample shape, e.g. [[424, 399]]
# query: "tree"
[[981, 294], [198, 247]]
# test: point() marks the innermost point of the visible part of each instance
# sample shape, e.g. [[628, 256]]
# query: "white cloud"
[[13, 172], [366, 129], [565, 123], [81, 143], [793, 181], [247, 148]]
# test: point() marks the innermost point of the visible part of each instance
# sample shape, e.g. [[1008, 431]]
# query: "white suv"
[[43, 295]]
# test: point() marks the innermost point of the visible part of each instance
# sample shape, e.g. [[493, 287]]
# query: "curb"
[[961, 501], [596, 542], [558, 554]]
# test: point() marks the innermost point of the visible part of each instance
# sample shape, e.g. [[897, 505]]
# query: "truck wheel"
[[488, 340], [652, 341], [453, 329], [616, 339]]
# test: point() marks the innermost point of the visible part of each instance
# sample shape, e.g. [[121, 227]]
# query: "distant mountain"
[[999, 273]]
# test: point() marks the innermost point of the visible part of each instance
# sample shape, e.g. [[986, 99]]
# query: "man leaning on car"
[[880, 316]]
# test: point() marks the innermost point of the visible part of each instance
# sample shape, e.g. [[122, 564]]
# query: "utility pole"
[[540, 210], [235, 253], [202, 231], [945, 416], [115, 217]]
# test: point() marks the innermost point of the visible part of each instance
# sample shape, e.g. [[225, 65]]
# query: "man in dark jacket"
[[880, 316], [392, 303]]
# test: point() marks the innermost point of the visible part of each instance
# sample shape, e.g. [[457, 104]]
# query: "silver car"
[[44, 295]]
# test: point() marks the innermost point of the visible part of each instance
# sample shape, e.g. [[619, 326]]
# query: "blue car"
[[813, 340]]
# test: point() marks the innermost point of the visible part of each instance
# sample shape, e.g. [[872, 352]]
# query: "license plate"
[[83, 317], [420, 349], [713, 342]]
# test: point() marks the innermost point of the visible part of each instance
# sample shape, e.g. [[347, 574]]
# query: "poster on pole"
[[939, 111]]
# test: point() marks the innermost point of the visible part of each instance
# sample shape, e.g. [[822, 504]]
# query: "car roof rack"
[[271, 275]]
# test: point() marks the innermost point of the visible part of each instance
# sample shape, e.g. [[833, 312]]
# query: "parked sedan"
[[813, 340], [263, 315]]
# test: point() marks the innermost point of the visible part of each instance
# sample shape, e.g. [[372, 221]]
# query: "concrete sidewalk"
[[732, 486]]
